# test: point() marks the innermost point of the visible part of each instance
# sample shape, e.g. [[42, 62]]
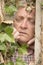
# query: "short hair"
[[29, 4]]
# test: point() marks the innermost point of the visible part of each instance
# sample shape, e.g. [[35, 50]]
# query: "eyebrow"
[[17, 16], [30, 18]]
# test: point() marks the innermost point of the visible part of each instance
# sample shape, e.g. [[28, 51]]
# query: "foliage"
[[41, 3], [10, 9], [8, 45], [12, 5], [20, 62], [7, 41]]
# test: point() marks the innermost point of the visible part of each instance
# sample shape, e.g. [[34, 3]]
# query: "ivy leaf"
[[8, 38], [19, 61], [5, 37], [1, 63], [2, 38], [10, 9], [22, 49], [2, 26], [10, 63], [9, 30], [41, 3], [11, 50], [2, 47]]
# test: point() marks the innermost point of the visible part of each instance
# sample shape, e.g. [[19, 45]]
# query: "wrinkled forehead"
[[24, 12]]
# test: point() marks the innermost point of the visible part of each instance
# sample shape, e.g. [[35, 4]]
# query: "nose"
[[24, 24]]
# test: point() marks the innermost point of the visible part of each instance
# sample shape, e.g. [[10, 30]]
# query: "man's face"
[[25, 25]]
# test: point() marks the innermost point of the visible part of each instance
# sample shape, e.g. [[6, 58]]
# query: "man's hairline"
[[15, 13]]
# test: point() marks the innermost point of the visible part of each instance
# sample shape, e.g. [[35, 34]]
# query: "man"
[[24, 31]]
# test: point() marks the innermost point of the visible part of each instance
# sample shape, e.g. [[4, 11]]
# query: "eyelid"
[[31, 20], [19, 18], [22, 17]]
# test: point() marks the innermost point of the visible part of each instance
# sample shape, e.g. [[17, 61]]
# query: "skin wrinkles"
[[24, 22]]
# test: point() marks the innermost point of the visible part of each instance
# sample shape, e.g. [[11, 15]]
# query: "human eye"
[[31, 20], [17, 19]]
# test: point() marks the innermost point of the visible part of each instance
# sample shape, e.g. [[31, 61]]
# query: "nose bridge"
[[25, 19], [24, 23]]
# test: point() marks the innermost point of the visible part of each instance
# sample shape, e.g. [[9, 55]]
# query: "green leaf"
[[22, 49], [1, 63], [2, 47], [10, 9], [2, 38], [11, 50], [10, 63], [2, 26], [19, 61], [5, 37], [13, 8], [41, 3], [8, 38], [9, 30]]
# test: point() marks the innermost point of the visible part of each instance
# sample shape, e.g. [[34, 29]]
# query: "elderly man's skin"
[[25, 25]]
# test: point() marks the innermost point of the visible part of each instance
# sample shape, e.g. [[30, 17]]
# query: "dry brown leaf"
[[8, 21], [1, 58]]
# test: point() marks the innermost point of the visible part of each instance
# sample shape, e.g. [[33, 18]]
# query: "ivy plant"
[[8, 45]]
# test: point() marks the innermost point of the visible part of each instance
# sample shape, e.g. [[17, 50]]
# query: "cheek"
[[16, 25], [31, 30]]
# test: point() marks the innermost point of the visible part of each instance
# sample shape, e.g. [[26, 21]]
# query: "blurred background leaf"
[[10, 9]]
